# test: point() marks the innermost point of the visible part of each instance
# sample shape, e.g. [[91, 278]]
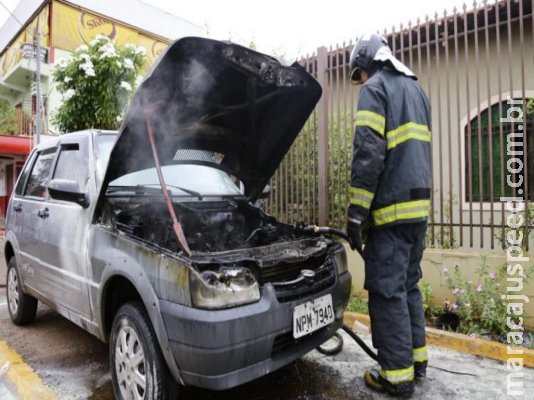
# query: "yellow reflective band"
[[372, 120], [420, 354], [398, 376], [402, 211], [408, 131], [361, 197]]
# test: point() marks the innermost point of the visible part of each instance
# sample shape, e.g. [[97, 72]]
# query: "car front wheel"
[[22, 307], [137, 365]]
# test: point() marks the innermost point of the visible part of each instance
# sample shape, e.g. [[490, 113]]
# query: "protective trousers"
[[392, 269]]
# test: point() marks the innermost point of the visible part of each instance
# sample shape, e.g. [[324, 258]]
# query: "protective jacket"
[[391, 160]]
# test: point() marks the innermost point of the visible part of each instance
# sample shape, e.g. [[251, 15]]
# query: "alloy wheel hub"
[[130, 364], [13, 291]]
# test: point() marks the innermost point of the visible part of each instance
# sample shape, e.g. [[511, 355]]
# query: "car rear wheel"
[[22, 307], [138, 370]]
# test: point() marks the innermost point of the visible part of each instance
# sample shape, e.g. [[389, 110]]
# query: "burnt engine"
[[233, 234], [209, 226]]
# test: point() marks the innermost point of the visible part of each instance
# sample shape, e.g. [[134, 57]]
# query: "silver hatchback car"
[[151, 239]]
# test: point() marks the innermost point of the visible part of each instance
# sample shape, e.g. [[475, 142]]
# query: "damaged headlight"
[[227, 287], [342, 264]]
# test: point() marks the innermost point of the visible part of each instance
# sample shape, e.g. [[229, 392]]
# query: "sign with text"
[[72, 27]]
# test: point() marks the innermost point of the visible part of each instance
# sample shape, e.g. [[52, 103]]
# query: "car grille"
[[288, 282]]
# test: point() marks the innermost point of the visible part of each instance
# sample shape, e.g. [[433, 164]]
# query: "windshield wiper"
[[188, 191]]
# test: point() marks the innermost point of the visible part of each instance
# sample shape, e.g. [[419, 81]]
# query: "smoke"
[[173, 98]]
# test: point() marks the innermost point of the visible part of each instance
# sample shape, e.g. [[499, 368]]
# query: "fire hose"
[[317, 230]]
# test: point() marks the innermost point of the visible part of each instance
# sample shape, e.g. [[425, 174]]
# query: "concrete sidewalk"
[[468, 377], [5, 394], [18, 381]]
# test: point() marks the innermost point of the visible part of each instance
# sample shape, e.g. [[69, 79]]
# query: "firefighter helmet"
[[373, 48], [363, 54]]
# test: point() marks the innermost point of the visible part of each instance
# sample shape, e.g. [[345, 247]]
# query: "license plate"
[[313, 315]]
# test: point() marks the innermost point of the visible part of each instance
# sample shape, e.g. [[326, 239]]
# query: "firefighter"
[[390, 198]]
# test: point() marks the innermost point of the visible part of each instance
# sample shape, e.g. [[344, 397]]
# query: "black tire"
[[22, 307], [331, 351], [132, 327]]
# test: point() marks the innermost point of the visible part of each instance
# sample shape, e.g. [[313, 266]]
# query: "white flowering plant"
[[96, 84]]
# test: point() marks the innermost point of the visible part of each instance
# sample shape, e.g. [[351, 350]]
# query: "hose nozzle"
[[311, 229]]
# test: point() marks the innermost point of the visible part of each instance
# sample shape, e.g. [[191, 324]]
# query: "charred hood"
[[216, 103]]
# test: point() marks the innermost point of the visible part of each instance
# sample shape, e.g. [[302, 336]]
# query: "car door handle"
[[17, 208], [43, 213]]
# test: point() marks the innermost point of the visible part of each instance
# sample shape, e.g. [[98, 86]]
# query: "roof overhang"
[[15, 145]]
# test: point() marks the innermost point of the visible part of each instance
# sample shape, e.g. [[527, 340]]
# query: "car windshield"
[[103, 144], [182, 179]]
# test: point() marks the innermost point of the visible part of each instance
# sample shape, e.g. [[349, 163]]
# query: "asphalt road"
[[75, 364]]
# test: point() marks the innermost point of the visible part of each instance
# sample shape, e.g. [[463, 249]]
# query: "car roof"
[[53, 142]]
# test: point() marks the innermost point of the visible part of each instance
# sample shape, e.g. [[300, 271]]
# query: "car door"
[[25, 216], [63, 231], [15, 218]]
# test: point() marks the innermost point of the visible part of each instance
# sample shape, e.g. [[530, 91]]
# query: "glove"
[[355, 217], [354, 229]]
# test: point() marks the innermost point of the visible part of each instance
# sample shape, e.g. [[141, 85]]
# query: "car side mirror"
[[266, 192], [67, 190]]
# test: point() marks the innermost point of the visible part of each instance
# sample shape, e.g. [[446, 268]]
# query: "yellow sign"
[[72, 27]]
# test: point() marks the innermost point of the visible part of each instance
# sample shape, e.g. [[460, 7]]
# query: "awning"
[[15, 145]]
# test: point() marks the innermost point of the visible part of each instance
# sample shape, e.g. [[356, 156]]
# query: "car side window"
[[73, 163], [19, 189], [40, 173]]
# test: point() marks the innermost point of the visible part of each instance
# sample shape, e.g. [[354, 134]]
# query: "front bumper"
[[220, 349]]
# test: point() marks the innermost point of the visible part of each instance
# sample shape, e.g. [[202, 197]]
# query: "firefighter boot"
[[420, 369], [375, 381]]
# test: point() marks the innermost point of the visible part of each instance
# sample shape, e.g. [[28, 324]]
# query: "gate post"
[[322, 122]]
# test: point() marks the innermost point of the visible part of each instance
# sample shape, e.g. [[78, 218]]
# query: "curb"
[[458, 342], [19, 378]]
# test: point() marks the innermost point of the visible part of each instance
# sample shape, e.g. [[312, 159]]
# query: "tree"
[[7, 117], [96, 84]]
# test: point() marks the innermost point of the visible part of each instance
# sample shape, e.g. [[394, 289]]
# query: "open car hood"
[[215, 103]]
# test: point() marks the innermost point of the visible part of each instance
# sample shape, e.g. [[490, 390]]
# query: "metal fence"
[[469, 62]]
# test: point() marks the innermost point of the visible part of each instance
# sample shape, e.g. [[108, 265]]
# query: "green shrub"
[[358, 305], [426, 293], [7, 117], [431, 312]]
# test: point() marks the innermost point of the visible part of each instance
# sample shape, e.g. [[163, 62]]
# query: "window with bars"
[[486, 143]]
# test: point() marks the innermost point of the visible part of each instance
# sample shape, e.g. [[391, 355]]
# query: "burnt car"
[[151, 240]]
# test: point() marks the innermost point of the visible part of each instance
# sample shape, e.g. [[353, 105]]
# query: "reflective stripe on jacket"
[[391, 168]]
